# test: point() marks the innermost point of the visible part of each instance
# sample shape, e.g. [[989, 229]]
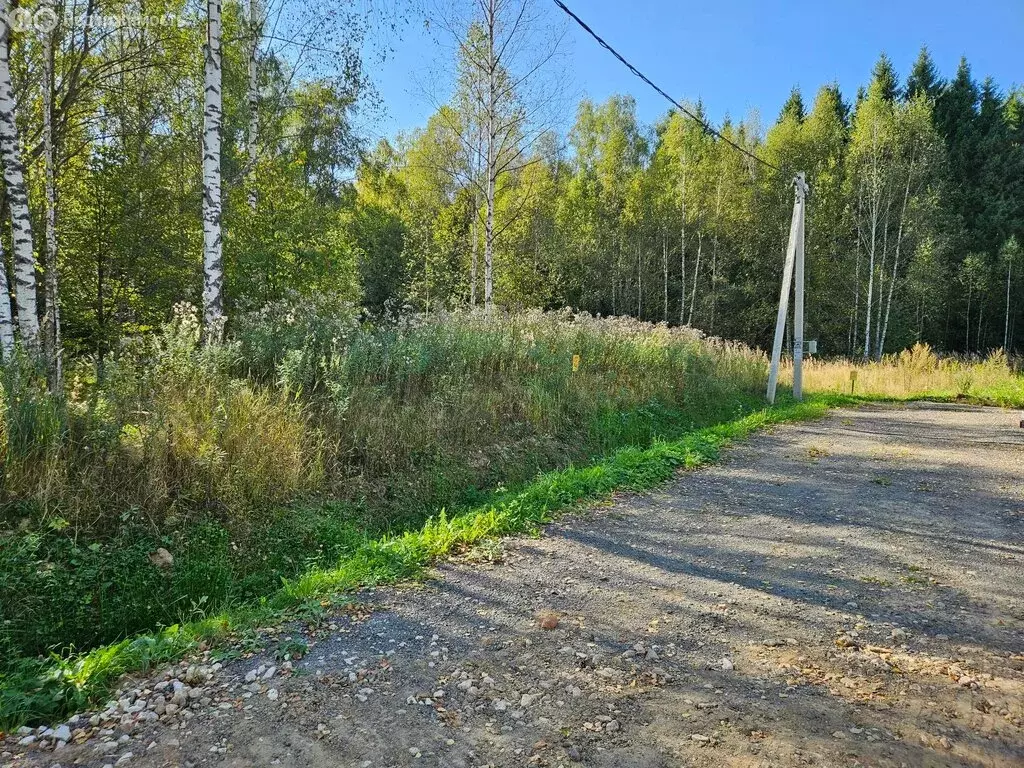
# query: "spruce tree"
[[924, 77], [884, 78], [794, 106]]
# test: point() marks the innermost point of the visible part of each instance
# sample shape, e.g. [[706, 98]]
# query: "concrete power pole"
[[794, 258]]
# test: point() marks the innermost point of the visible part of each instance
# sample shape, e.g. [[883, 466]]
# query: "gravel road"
[[838, 593]]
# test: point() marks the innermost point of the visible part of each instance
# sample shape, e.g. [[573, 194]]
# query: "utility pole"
[[794, 257]]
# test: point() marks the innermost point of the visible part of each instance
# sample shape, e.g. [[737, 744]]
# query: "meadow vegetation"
[[303, 439], [317, 452], [919, 373]]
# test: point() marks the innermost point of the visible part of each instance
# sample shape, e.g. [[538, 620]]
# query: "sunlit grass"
[[917, 373], [43, 689]]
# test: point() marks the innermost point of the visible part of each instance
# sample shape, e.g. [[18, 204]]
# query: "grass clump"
[[920, 373]]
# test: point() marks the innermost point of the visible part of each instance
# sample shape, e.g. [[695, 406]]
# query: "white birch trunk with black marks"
[[253, 99], [492, 155], [875, 214], [213, 261], [473, 248], [52, 340], [896, 261], [696, 275], [6, 319], [682, 245], [17, 196]]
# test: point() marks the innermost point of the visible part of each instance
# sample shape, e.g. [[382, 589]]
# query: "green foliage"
[[35, 690], [284, 449]]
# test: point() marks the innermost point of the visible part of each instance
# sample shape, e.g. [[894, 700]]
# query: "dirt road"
[[846, 592]]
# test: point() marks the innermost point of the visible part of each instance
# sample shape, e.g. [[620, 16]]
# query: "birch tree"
[[213, 263], [1010, 253], [506, 47], [51, 338], [253, 99], [6, 321], [17, 195], [870, 157]]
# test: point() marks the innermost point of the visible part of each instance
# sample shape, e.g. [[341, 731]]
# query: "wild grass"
[[919, 373], [287, 449], [315, 453], [43, 689]]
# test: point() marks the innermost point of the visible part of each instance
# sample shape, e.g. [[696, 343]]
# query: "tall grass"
[[917, 373], [306, 436], [42, 689]]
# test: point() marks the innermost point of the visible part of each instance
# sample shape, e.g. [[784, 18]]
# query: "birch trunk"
[[213, 262], [664, 269], [714, 256], [682, 247], [874, 213], [6, 321], [967, 336], [1006, 323], [52, 340], [473, 248], [881, 278], [896, 260], [696, 274], [17, 195], [492, 159], [253, 99], [639, 282], [856, 282]]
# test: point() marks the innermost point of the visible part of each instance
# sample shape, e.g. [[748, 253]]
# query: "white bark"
[[491, 139], [474, 248], [896, 259], [639, 282], [875, 211], [6, 321], [696, 274], [213, 262], [664, 269], [52, 340], [682, 245], [17, 195], [714, 255], [1006, 324], [253, 99], [854, 325]]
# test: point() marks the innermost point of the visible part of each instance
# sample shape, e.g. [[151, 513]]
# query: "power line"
[[708, 128]]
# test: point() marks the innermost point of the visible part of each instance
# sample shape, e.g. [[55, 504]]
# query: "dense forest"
[[915, 214]]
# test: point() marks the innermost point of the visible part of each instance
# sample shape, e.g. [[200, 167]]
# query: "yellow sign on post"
[[575, 363], [853, 380]]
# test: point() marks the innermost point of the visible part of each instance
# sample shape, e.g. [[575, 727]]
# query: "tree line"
[[219, 160], [915, 216]]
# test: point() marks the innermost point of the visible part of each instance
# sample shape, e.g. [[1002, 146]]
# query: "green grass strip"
[[47, 689]]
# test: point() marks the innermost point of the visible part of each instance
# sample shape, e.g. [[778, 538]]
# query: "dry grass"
[[917, 373]]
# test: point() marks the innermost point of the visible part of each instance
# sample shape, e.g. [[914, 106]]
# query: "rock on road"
[[843, 592]]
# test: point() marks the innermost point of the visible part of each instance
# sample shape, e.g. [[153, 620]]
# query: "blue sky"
[[736, 55]]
